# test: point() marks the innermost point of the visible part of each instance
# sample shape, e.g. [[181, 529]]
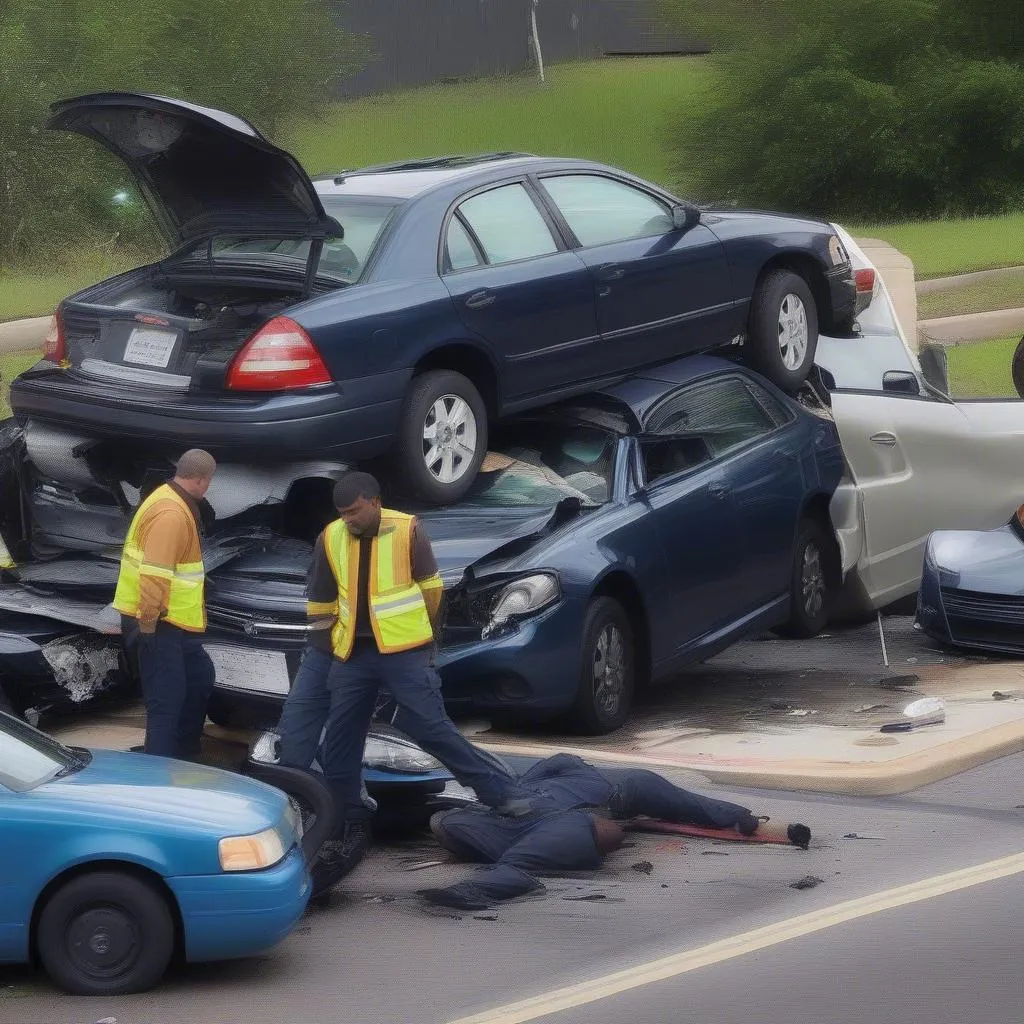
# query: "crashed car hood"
[[987, 562], [460, 537], [203, 172], [158, 791]]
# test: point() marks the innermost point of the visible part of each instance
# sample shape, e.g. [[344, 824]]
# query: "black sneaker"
[[799, 835], [338, 857]]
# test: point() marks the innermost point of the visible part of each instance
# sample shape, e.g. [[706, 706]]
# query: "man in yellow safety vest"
[[374, 601], [163, 613]]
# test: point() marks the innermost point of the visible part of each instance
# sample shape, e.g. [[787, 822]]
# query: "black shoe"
[[337, 857], [799, 835]]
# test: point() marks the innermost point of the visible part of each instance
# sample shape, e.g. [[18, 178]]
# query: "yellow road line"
[[748, 942]]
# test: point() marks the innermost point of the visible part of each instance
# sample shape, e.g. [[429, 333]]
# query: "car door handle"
[[884, 437], [611, 272], [480, 299], [719, 489]]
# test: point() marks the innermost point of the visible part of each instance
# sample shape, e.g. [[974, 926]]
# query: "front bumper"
[[242, 913]]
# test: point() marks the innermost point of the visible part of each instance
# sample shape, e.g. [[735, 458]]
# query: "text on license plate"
[[148, 346]]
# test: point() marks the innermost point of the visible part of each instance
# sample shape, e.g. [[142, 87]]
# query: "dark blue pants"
[[177, 680], [305, 710], [353, 687]]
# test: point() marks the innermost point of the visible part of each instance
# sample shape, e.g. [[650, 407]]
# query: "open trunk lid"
[[203, 172]]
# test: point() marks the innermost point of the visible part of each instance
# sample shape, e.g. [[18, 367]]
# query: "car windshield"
[[342, 259], [540, 462], [28, 757]]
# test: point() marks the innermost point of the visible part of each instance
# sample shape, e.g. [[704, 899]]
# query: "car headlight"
[[251, 853], [385, 752], [837, 252], [525, 596]]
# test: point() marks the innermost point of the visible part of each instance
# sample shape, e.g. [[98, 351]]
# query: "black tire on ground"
[[105, 933], [782, 330], [458, 450], [604, 696], [1017, 368], [812, 587]]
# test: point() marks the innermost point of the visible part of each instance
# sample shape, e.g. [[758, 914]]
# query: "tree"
[[262, 59], [870, 109]]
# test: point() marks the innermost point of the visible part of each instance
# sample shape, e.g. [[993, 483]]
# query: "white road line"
[[739, 945]]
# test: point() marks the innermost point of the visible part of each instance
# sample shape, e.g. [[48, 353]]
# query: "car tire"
[[1017, 368], [441, 473], [604, 695], [105, 933], [812, 590], [782, 331]]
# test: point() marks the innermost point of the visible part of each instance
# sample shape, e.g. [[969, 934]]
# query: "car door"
[[516, 287], [924, 463], [693, 515], [661, 291]]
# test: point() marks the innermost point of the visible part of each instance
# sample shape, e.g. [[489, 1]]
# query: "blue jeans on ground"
[[353, 686], [638, 791], [177, 681]]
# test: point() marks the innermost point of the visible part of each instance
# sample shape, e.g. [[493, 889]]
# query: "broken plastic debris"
[[424, 864], [926, 711], [800, 712], [857, 835], [1008, 695], [645, 866], [807, 882]]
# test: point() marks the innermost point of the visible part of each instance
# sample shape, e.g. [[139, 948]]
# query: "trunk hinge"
[[316, 248]]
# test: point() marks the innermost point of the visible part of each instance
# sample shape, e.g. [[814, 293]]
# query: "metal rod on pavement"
[[881, 636]]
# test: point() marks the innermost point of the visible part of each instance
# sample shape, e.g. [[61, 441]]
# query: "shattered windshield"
[[541, 462], [342, 259], [28, 757]]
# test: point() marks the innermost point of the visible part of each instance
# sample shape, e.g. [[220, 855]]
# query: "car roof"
[[410, 178]]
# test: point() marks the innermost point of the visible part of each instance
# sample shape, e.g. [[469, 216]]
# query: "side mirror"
[[685, 217], [901, 382]]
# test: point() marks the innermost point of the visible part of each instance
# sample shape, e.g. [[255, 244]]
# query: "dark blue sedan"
[[606, 542], [397, 310]]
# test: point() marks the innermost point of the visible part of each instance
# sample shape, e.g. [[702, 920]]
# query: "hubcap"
[[103, 942], [812, 581], [609, 671], [793, 335], [449, 438]]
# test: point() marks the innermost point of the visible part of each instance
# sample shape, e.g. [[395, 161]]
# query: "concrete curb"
[[953, 330], [944, 284], [880, 778]]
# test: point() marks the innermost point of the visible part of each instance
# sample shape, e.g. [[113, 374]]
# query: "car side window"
[[778, 411], [673, 455], [723, 412], [459, 249], [508, 225], [601, 210]]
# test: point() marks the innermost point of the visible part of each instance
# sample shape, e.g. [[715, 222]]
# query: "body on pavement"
[[160, 595]]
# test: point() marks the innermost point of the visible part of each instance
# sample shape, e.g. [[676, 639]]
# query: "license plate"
[[238, 668], [148, 346]]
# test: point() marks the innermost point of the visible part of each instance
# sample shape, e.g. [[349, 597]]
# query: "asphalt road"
[[377, 956]]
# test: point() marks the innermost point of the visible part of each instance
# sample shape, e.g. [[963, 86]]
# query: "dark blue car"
[[398, 310], [606, 542]]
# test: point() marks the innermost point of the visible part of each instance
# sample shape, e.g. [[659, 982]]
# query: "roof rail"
[[428, 164]]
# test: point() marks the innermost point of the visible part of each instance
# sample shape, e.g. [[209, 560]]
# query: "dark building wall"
[[418, 42]]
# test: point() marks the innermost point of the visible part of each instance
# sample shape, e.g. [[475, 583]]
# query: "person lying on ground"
[[573, 825]]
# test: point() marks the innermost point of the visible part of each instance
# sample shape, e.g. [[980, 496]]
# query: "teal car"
[[112, 864]]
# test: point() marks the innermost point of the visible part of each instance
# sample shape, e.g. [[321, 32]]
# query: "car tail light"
[[54, 347], [279, 356], [865, 280]]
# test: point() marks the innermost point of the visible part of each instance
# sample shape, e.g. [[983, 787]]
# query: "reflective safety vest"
[[185, 604], [398, 611], [6, 562]]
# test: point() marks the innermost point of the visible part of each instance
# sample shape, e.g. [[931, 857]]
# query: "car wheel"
[[782, 332], [105, 933], [443, 436], [604, 696], [811, 588], [1017, 368]]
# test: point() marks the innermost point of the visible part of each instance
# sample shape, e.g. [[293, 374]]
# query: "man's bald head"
[[194, 471]]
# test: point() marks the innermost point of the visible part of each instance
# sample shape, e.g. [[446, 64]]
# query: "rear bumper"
[[353, 421], [842, 288], [244, 913]]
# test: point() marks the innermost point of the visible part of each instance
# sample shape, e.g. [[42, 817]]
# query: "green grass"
[[10, 366], [1005, 293], [616, 110], [982, 369], [946, 247]]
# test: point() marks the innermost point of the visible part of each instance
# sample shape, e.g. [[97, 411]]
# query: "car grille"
[[993, 620], [263, 627]]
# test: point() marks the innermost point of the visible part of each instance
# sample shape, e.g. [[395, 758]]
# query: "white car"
[[917, 460]]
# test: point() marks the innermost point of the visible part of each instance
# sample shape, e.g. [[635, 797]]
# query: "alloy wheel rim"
[[449, 438], [793, 332], [812, 581], [609, 670]]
